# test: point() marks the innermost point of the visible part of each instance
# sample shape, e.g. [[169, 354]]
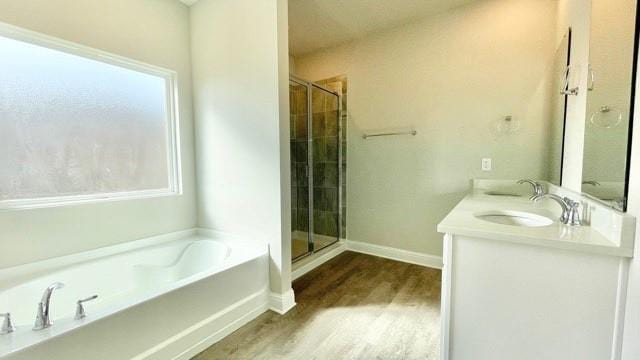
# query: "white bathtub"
[[154, 298]]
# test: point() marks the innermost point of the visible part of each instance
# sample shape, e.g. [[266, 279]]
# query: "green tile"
[[331, 103], [301, 127], [302, 223], [294, 196], [325, 199], [303, 197], [318, 124], [301, 151], [301, 174], [331, 124], [331, 148], [319, 150], [325, 223]]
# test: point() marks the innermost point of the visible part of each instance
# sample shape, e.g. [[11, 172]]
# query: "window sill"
[[60, 201]]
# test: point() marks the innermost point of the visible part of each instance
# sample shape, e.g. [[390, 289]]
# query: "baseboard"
[[282, 303], [200, 336], [407, 256], [313, 261]]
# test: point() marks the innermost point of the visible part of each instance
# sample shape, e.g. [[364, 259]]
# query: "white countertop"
[[461, 221]]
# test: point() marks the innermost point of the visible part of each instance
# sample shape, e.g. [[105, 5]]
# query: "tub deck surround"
[[606, 231], [123, 277]]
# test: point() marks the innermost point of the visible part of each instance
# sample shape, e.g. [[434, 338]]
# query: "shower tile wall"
[[325, 163], [298, 140], [326, 137], [326, 133]]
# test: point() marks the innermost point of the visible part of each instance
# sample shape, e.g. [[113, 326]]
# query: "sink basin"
[[514, 218]]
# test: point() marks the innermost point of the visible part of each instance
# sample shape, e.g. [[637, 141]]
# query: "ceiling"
[[317, 24]]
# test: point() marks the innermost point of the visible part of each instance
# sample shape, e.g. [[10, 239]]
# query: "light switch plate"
[[486, 164]]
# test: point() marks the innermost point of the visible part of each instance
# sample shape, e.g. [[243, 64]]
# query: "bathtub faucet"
[[42, 317]]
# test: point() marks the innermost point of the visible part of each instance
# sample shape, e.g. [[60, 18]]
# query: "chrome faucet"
[[538, 189], [570, 214], [7, 326], [80, 313], [43, 320]]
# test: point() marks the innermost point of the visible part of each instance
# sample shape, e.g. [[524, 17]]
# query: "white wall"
[[240, 71], [576, 14], [449, 77], [152, 31]]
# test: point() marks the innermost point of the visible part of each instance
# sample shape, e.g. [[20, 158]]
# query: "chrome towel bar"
[[412, 132]]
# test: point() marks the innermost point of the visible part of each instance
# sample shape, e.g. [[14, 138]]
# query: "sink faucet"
[[570, 214], [538, 189], [43, 320]]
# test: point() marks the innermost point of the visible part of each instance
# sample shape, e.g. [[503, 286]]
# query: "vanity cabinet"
[[536, 290], [507, 300]]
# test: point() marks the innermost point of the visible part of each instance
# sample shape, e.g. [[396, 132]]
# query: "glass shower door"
[[315, 174], [325, 159], [300, 219]]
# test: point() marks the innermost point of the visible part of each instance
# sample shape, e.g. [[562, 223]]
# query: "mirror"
[[558, 109], [609, 100]]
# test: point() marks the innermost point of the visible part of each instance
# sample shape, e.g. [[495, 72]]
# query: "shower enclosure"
[[315, 167]]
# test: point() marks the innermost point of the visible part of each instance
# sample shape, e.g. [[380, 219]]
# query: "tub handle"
[[80, 313], [7, 326]]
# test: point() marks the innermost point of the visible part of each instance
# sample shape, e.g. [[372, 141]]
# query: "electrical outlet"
[[486, 164]]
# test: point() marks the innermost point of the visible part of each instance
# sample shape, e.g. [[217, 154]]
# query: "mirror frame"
[[632, 107], [566, 105]]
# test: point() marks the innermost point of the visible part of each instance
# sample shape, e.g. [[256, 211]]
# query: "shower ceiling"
[[317, 24]]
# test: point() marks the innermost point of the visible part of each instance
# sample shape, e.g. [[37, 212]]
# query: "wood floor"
[[353, 307]]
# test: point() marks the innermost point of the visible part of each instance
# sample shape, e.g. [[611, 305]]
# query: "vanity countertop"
[[461, 221]]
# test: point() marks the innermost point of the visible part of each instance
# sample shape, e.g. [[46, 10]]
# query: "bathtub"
[[164, 297]]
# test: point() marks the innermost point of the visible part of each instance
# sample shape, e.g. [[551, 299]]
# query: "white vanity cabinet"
[[504, 300], [551, 292]]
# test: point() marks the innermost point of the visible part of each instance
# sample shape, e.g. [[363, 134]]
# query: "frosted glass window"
[[75, 126]]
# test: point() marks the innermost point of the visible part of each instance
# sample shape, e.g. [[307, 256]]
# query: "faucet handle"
[[80, 313], [573, 215], [7, 325]]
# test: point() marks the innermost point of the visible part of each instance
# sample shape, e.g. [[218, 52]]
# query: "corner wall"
[[450, 76], [240, 71]]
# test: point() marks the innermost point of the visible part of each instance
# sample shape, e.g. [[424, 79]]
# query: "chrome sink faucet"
[[43, 320], [538, 189], [570, 214]]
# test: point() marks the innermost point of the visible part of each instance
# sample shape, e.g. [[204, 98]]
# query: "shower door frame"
[[310, 85]]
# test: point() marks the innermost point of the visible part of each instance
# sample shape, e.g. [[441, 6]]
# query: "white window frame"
[[173, 132]]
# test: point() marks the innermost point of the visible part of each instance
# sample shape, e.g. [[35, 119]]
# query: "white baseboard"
[[407, 256], [198, 337], [282, 303], [313, 261]]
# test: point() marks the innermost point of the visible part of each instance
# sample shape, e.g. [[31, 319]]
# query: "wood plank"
[[354, 306]]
